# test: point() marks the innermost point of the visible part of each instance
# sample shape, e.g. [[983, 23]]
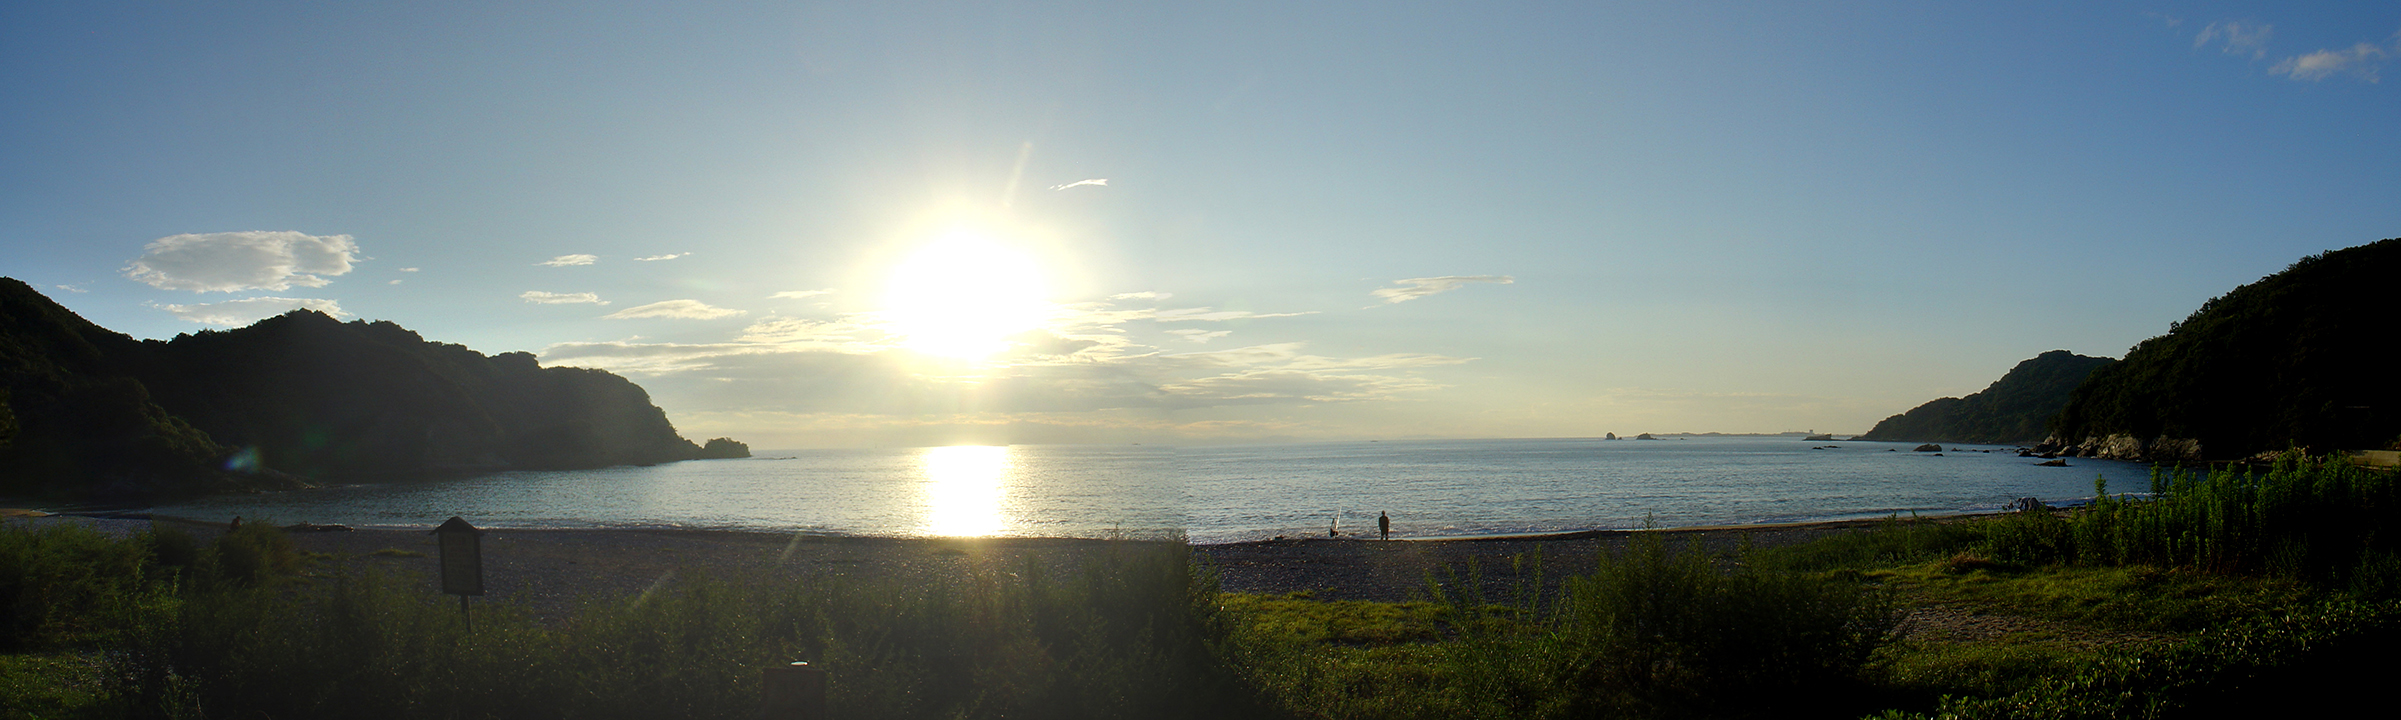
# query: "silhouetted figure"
[[236, 525], [1384, 524]]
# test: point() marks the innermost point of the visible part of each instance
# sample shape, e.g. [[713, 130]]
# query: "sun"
[[963, 295]]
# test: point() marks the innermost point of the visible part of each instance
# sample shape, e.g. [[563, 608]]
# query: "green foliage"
[[55, 685], [83, 426], [1892, 542], [2320, 520], [1669, 634], [66, 585], [2223, 670], [2297, 358], [1653, 632], [1134, 633], [2016, 408]]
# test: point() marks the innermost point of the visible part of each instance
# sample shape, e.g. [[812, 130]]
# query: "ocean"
[[1210, 494]]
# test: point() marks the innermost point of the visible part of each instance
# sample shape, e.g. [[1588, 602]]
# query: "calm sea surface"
[[1221, 494]]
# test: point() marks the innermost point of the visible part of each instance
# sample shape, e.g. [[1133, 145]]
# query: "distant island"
[[88, 413], [2014, 409]]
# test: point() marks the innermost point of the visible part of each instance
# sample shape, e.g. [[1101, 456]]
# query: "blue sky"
[[819, 225]]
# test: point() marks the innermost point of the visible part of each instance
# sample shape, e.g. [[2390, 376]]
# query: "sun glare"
[[963, 296], [963, 488]]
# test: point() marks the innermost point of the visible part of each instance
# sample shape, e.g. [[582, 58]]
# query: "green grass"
[[2202, 598], [54, 685], [2127, 598]]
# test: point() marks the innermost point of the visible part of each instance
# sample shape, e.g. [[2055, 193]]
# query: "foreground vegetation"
[[2236, 591]]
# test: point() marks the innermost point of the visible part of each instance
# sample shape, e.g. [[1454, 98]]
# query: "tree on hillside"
[[2298, 358]]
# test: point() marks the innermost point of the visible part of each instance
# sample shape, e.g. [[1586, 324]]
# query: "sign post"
[[462, 562]]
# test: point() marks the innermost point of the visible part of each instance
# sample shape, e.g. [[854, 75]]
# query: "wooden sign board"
[[462, 557]]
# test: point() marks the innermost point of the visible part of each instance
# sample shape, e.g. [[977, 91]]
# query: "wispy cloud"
[[1080, 183], [830, 334], [1144, 295], [2236, 38], [408, 269], [568, 260], [668, 256], [71, 288], [1208, 315], [1083, 359], [551, 298], [677, 309], [799, 294], [2361, 61], [248, 310], [1198, 335], [1414, 288], [236, 261]]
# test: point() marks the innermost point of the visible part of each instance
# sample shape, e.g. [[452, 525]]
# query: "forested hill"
[[300, 396], [2304, 357], [2016, 408]]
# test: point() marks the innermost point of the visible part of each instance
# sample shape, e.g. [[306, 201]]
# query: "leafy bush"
[[2316, 519], [68, 585], [1134, 633], [1664, 633]]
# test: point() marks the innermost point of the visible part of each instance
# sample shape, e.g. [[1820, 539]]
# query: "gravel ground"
[[550, 571]]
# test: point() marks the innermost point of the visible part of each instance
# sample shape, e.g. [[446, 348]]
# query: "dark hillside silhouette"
[[81, 424], [100, 414], [2303, 357], [2016, 408]]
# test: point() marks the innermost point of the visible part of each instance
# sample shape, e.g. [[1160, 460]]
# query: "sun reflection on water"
[[963, 488]]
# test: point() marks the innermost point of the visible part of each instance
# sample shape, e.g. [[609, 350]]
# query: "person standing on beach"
[[1384, 524]]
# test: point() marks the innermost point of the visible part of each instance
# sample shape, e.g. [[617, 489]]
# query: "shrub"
[[66, 585], [1667, 633]]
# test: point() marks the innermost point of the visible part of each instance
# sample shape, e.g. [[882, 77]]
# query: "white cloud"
[[551, 298], [1414, 288], [2361, 61], [1208, 315], [2236, 38], [679, 309], [249, 310], [568, 260], [800, 294], [668, 256], [1198, 335], [71, 288], [408, 269], [1079, 183], [1144, 295], [839, 335], [236, 261]]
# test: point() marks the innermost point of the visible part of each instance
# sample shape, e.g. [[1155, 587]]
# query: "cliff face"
[[2014, 409], [2298, 358], [101, 414]]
